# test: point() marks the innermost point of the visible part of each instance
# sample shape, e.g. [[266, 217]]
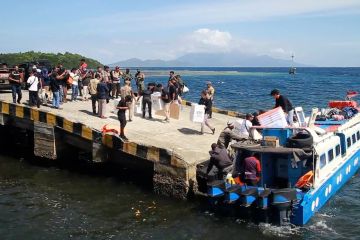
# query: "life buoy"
[[305, 179], [342, 104], [110, 129]]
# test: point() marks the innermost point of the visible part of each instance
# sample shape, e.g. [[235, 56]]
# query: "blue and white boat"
[[302, 168]]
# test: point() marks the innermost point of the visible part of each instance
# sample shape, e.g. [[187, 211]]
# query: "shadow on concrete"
[[189, 131], [87, 112]]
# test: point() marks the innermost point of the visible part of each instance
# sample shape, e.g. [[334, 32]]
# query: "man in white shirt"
[[246, 125], [33, 83]]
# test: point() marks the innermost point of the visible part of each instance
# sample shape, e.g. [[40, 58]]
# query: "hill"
[[69, 60], [233, 59]]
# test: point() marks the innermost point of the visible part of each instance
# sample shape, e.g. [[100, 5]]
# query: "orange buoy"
[[305, 179]]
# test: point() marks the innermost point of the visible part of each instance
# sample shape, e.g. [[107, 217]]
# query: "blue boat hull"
[[314, 200]]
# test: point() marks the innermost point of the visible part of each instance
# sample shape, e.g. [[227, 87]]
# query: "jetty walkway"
[[174, 148]]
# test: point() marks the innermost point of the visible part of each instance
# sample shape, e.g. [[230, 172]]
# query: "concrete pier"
[[173, 148]]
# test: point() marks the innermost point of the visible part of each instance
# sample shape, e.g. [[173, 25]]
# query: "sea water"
[[39, 202]]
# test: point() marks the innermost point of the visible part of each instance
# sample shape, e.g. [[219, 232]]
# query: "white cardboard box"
[[157, 103], [197, 113]]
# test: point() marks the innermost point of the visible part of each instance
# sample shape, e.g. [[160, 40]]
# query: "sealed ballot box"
[[197, 113], [274, 118], [156, 101]]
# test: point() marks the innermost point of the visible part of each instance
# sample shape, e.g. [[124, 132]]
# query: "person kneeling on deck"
[[227, 135], [221, 160], [252, 170], [123, 106]]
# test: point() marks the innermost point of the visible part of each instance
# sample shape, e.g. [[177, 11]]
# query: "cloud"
[[220, 12], [212, 37]]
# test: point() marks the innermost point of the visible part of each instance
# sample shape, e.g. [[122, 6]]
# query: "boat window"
[[337, 150], [353, 138], [322, 160], [358, 135], [330, 155], [348, 140]]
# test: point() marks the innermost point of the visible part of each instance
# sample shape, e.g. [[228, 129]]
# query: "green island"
[[69, 60]]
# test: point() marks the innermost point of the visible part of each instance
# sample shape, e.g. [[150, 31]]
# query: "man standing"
[[211, 91], [127, 91], [15, 82], [93, 91], [171, 75], [285, 104], [166, 99], [123, 106], [205, 100], [140, 78], [115, 78], [127, 76], [34, 83], [147, 100], [220, 159], [55, 88], [103, 97]]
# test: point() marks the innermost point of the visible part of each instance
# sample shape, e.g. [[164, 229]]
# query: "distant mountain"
[[232, 59]]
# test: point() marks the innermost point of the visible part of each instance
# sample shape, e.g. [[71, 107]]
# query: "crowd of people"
[[104, 84]]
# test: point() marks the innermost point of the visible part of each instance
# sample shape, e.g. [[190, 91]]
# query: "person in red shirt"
[[252, 170]]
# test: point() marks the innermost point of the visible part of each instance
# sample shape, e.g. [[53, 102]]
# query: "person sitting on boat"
[[285, 104], [220, 159], [252, 170], [227, 135]]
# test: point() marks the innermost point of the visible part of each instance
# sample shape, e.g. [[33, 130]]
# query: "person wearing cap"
[[127, 76], [285, 104], [115, 82], [140, 78], [227, 135], [220, 159], [246, 125], [211, 91]]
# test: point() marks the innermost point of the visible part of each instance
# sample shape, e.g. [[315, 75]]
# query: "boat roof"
[[298, 153]]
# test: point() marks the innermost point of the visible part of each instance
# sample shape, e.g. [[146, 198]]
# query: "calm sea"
[[52, 203]]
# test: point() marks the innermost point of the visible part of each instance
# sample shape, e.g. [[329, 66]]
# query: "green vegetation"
[[69, 60]]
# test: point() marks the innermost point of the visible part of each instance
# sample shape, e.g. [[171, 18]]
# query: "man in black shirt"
[[285, 104], [123, 106], [146, 94], [15, 82], [172, 90]]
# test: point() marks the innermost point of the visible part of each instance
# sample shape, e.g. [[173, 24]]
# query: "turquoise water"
[[248, 89], [55, 203]]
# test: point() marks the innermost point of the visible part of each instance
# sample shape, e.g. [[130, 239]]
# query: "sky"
[[319, 33]]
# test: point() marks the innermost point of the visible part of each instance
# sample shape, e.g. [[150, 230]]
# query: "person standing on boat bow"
[[285, 104]]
